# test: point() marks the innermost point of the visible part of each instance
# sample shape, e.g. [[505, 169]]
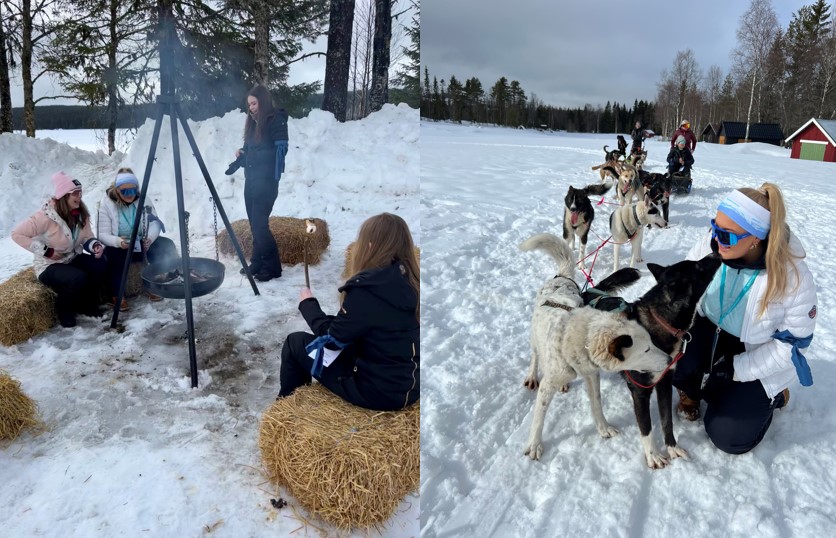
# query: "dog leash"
[[679, 334]]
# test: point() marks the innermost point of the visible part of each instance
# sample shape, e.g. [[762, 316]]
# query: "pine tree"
[[409, 76]]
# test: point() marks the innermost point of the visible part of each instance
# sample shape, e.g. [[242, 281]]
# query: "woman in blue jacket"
[[263, 154], [376, 331], [756, 316]]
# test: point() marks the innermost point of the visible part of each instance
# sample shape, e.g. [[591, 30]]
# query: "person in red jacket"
[[685, 130]]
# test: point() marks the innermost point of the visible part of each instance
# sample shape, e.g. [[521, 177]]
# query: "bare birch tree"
[[755, 35], [5, 78]]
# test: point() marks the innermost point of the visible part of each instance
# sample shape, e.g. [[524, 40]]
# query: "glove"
[[235, 165]]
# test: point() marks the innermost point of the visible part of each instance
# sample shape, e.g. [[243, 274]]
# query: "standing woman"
[[58, 235], [376, 329], [117, 212], [264, 151], [756, 316]]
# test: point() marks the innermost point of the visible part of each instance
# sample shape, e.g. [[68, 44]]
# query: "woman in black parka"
[[376, 330], [264, 151]]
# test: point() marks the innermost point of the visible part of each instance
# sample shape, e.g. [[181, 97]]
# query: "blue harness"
[[802, 369], [319, 344]]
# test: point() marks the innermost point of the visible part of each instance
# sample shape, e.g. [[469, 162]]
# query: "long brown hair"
[[254, 126], [62, 207], [383, 240], [778, 254]]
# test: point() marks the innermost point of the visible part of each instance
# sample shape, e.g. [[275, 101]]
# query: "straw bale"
[[349, 252], [27, 308], [290, 235], [348, 465], [17, 410]]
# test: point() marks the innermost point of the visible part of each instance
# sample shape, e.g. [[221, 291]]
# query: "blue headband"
[[747, 213], [126, 178]]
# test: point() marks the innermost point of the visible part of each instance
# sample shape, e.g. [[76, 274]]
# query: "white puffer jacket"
[[767, 359], [108, 222]]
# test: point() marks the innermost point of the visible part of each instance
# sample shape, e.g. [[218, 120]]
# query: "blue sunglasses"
[[725, 237], [128, 192]]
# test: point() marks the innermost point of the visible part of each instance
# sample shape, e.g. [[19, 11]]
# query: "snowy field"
[[87, 139], [483, 191], [131, 449]]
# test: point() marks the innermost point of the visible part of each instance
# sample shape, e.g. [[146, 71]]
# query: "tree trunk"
[[167, 37], [26, 70], [751, 100], [261, 20], [380, 64], [112, 80], [338, 58], [5, 83]]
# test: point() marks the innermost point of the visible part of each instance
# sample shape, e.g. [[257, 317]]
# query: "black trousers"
[[76, 283], [161, 249], [738, 413], [339, 377], [259, 196]]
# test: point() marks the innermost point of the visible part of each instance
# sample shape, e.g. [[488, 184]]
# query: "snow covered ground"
[[483, 191], [131, 449]]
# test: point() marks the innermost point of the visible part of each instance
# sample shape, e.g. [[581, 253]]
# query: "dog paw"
[[677, 452], [606, 431], [531, 383], [655, 460], [563, 388], [534, 451]]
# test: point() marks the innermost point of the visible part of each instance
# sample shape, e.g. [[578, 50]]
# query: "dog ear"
[[656, 270], [616, 347]]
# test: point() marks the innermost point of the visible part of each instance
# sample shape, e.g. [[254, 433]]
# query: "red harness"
[[677, 333]]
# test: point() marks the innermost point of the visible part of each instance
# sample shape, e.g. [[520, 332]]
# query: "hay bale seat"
[[290, 235], [348, 465], [27, 307], [17, 410], [349, 252]]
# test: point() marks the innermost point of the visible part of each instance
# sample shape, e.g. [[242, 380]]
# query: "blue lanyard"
[[74, 233], [124, 216], [732, 307]]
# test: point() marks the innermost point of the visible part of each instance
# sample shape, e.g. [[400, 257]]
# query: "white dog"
[[568, 340], [627, 225]]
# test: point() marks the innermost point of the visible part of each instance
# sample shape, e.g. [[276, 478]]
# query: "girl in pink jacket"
[[58, 234]]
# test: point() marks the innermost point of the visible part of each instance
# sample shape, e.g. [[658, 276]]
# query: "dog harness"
[[558, 305]]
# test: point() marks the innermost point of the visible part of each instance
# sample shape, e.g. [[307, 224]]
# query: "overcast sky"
[[574, 52]]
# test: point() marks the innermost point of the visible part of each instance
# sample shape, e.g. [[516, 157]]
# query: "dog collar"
[[558, 305], [678, 333]]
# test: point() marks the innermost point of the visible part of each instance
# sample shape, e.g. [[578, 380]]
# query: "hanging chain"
[[186, 219], [215, 215]]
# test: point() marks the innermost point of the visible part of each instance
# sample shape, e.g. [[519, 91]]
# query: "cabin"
[[709, 134], [814, 141], [732, 132]]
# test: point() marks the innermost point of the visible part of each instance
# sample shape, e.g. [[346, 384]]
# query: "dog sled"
[[681, 182]]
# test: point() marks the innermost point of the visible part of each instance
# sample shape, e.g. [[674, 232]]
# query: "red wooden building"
[[815, 140]]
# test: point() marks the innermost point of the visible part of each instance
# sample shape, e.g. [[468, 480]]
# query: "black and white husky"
[[579, 213], [570, 340], [627, 225]]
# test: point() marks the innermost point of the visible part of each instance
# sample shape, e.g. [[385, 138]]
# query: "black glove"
[[235, 165]]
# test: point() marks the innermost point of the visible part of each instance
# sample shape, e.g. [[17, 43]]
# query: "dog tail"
[[600, 188], [557, 248], [605, 149], [611, 170], [619, 280]]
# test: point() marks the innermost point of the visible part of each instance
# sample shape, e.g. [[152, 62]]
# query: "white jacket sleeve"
[[154, 227], [799, 319], [108, 223]]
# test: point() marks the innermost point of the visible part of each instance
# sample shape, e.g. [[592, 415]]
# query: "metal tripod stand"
[[169, 104]]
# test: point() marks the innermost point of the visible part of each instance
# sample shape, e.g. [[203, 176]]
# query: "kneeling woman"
[[756, 315], [376, 328], [58, 235], [117, 212]]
